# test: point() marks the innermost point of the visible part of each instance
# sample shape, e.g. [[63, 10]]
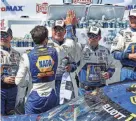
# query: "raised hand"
[[71, 18]]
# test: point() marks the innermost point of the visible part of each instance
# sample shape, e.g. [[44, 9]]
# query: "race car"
[[115, 102]]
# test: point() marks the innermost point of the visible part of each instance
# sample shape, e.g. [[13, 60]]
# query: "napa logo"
[[129, 7], [45, 63]]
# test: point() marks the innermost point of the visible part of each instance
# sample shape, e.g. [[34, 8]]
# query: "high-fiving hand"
[[71, 18]]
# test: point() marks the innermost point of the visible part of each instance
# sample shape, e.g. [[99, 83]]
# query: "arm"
[[76, 55], [73, 66], [120, 55], [66, 48], [55, 58], [111, 66], [70, 32], [8, 62], [111, 72], [80, 64], [117, 48], [23, 68], [70, 23]]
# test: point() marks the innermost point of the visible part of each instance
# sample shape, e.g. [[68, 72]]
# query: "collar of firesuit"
[[40, 46], [5, 48], [59, 43], [94, 48]]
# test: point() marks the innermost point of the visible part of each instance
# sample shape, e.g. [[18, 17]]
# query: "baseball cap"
[[59, 25], [132, 12], [93, 32], [6, 32]]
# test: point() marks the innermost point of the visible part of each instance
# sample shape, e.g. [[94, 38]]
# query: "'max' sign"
[[12, 8], [129, 7], [113, 112]]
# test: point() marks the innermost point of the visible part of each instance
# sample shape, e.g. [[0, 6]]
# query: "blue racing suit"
[[41, 62], [123, 45], [9, 66], [94, 62]]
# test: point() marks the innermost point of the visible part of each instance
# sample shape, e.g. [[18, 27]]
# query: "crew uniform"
[[9, 66], [41, 62], [125, 43], [94, 61], [64, 50]]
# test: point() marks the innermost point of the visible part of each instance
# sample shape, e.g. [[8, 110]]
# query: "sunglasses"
[[59, 29], [4, 35], [92, 36]]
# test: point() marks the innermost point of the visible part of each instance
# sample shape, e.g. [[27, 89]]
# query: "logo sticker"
[[133, 86], [131, 117], [129, 7], [42, 8], [12, 8], [45, 66], [45, 63], [133, 99], [113, 112]]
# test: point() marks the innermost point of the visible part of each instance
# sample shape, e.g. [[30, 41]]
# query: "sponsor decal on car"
[[133, 90], [133, 100], [131, 117], [42, 8], [113, 112]]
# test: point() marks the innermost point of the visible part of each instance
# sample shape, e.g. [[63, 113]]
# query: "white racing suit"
[[123, 44], [94, 62], [71, 49], [76, 55], [24, 89], [9, 66], [64, 54]]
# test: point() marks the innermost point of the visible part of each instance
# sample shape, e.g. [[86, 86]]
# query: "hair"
[[39, 34]]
